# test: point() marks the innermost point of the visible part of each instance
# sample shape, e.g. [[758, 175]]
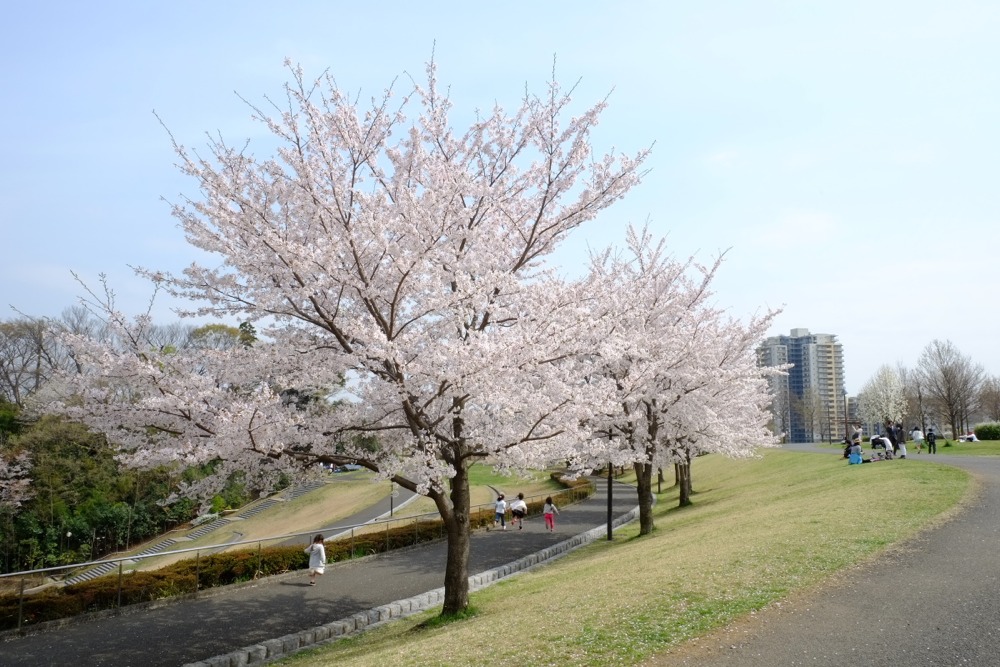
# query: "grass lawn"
[[981, 448], [483, 480], [347, 494], [758, 530], [344, 495], [953, 447]]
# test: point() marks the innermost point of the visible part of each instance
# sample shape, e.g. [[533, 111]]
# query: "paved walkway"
[[932, 602], [225, 620]]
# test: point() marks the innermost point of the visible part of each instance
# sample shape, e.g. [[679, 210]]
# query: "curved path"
[[933, 601], [224, 620]]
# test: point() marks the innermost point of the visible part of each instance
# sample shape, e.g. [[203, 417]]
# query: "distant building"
[[809, 401]]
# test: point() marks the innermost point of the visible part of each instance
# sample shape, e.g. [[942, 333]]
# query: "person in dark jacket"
[[931, 441]]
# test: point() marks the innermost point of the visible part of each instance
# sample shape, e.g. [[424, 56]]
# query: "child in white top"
[[549, 510], [317, 558], [500, 515], [518, 510]]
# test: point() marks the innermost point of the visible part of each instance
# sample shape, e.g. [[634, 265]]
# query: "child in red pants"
[[550, 510]]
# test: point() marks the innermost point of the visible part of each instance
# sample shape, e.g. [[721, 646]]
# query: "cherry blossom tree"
[[882, 400], [394, 269], [683, 376]]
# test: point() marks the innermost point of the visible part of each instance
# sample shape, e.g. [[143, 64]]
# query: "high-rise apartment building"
[[809, 402]]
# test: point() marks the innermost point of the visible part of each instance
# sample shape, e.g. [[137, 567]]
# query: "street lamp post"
[[847, 428]]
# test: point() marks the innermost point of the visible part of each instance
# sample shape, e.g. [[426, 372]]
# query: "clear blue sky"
[[845, 152]]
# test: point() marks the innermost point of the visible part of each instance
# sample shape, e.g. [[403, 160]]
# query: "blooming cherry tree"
[[679, 370], [882, 400], [394, 269]]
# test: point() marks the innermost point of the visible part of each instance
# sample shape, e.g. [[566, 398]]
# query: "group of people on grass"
[[519, 510], [892, 444]]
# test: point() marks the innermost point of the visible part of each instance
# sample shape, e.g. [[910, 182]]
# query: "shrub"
[[988, 431]]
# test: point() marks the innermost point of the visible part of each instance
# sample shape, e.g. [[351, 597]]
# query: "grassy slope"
[[981, 448], [483, 481], [758, 530], [344, 495]]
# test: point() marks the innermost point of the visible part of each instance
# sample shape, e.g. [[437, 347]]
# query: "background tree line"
[[946, 389], [83, 503]]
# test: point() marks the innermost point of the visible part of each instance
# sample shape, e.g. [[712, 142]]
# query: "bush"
[[988, 431]]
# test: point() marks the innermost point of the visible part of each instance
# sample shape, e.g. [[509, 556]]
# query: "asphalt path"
[[224, 620], [933, 601]]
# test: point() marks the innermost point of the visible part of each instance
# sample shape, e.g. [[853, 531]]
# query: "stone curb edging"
[[282, 647]]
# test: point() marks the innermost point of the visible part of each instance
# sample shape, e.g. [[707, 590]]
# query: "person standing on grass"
[[518, 510], [317, 559], [918, 438], [500, 513], [549, 511], [931, 441]]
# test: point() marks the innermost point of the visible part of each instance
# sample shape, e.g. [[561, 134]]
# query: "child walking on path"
[[317, 558], [550, 510], [500, 515], [518, 510]]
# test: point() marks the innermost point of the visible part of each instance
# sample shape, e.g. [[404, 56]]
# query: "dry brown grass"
[[340, 498]]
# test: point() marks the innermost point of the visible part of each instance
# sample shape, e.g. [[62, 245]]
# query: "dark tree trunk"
[[644, 487], [458, 528], [684, 481]]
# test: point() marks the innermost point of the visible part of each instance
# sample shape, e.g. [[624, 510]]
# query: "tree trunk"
[[644, 486], [458, 528], [684, 481]]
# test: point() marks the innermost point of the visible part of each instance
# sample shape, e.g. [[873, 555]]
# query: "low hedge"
[[186, 577], [988, 431]]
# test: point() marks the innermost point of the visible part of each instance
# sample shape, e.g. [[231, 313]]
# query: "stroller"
[[885, 444]]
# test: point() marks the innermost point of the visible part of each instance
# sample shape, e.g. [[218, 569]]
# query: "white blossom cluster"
[[882, 400]]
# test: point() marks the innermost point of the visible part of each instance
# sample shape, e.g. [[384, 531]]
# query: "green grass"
[[758, 530], [483, 480], [981, 448]]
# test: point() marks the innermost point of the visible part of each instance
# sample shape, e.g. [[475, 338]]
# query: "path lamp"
[[610, 470], [847, 428]]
